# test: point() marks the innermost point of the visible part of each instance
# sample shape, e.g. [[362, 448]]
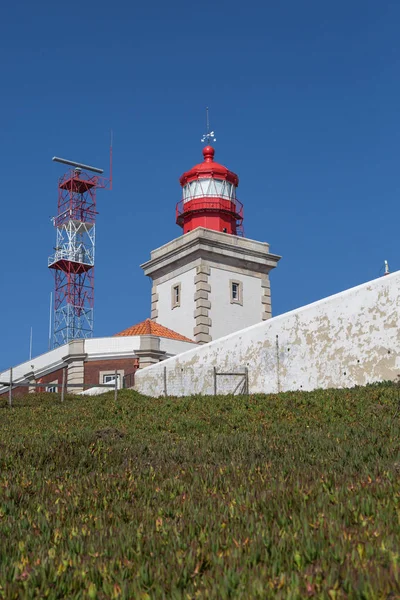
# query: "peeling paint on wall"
[[351, 338]]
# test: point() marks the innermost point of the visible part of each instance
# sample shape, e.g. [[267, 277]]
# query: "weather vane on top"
[[209, 136]]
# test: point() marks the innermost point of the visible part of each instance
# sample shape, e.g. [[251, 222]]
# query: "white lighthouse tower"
[[211, 281]]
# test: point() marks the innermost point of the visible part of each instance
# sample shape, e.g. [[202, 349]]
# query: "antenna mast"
[[74, 252], [111, 158]]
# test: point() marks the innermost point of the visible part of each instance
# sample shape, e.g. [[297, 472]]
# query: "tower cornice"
[[213, 246]]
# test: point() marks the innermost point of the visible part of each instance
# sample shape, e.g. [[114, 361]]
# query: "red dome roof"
[[209, 168]]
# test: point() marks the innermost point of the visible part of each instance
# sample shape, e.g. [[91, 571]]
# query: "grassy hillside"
[[288, 496]]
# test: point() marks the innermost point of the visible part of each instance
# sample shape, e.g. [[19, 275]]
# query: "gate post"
[[63, 384], [165, 381], [10, 390]]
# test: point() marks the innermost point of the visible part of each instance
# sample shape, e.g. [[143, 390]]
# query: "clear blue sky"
[[304, 98]]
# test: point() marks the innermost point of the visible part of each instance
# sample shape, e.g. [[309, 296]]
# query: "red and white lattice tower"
[[73, 259]]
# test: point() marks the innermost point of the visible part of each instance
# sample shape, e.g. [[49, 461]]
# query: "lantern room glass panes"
[[209, 188]]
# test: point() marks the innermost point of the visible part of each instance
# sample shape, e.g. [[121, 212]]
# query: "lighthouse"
[[210, 281], [209, 198]]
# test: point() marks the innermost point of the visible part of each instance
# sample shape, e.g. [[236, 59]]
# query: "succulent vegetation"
[[283, 496]]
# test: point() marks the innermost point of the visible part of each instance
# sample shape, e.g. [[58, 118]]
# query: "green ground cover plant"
[[288, 496]]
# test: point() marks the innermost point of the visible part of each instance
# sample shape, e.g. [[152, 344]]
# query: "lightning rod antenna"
[[50, 315], [111, 157], [209, 135]]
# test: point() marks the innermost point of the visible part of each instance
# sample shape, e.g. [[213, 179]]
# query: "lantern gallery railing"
[[202, 203]]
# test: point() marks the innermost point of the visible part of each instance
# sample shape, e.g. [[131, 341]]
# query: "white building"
[[89, 362], [211, 281]]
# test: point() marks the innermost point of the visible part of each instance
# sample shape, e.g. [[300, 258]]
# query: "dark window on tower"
[[176, 295], [236, 292]]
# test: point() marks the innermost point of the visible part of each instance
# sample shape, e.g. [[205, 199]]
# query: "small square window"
[[111, 379], [176, 295], [108, 378], [236, 292], [51, 388]]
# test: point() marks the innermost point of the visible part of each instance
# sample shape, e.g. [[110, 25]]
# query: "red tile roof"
[[149, 327]]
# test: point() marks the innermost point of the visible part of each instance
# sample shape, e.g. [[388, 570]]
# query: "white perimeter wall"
[[227, 317], [50, 361], [181, 318], [351, 338]]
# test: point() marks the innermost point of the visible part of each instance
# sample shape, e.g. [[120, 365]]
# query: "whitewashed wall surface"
[[47, 362], [351, 338]]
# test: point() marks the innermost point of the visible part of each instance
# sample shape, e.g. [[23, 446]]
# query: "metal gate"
[[242, 381]]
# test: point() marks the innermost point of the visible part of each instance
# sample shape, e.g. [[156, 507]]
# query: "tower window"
[[176, 295], [236, 292]]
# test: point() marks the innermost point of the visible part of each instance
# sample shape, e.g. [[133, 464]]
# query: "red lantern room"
[[209, 198]]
